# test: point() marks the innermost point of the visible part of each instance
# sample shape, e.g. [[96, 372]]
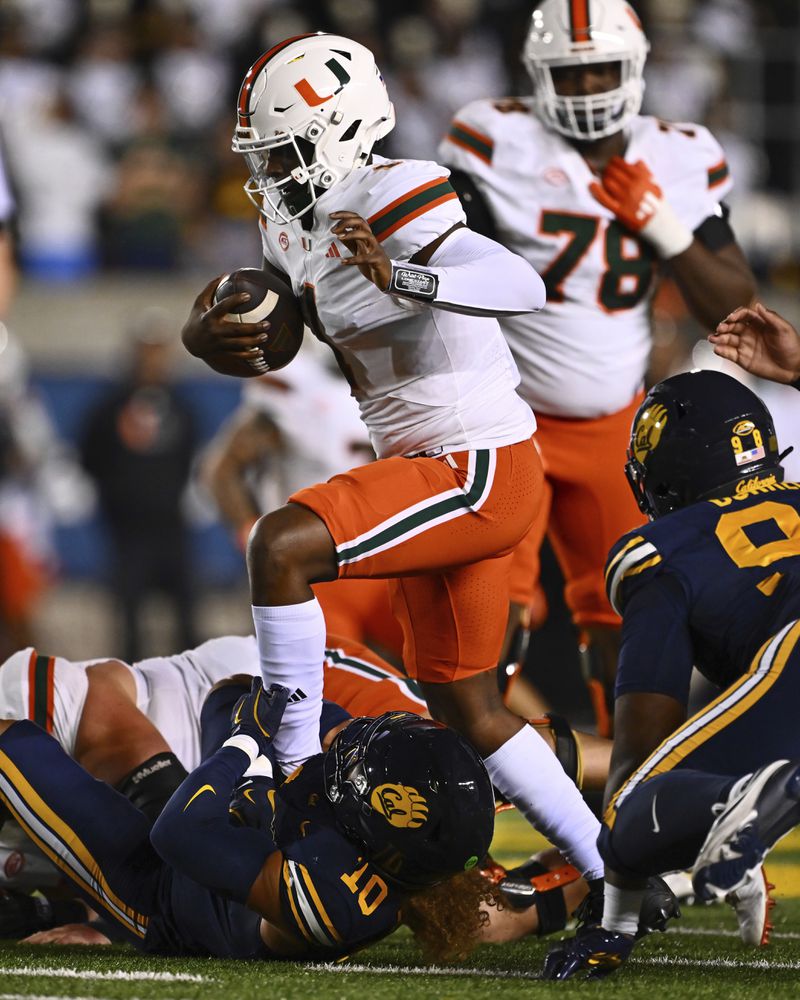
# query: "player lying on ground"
[[137, 727], [713, 582], [237, 866]]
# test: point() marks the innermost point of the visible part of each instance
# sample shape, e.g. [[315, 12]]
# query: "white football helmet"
[[579, 32], [322, 98]]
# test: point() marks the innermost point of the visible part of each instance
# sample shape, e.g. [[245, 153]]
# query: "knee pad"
[[48, 690], [150, 785]]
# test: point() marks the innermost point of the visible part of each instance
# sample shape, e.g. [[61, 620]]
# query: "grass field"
[[700, 957]]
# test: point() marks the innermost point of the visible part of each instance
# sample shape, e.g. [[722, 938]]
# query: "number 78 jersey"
[[584, 355]]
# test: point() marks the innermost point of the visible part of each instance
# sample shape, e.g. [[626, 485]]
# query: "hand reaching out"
[[760, 341], [368, 255]]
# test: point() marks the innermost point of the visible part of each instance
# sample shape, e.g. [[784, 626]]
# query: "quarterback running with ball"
[[407, 297]]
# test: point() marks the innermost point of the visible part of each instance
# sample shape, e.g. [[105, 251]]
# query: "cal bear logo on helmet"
[[648, 431], [744, 427], [402, 805]]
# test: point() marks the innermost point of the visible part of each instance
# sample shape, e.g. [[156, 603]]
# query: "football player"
[[406, 296], [712, 582], [238, 867], [600, 200]]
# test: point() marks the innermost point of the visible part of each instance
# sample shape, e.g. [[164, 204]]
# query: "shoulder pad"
[[410, 205], [630, 561], [332, 895], [698, 150]]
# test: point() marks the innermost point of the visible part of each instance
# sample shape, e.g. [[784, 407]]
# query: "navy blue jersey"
[[706, 586], [329, 893], [191, 919], [333, 896]]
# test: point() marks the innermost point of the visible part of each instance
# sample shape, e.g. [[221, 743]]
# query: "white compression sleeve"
[[525, 770], [471, 274], [291, 646]]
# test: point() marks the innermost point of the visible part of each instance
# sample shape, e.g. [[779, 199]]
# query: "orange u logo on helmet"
[[311, 97]]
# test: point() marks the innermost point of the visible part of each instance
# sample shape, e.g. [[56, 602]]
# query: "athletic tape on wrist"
[[245, 743]]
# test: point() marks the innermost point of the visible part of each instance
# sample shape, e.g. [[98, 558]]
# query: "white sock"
[[526, 771], [291, 646], [621, 909]]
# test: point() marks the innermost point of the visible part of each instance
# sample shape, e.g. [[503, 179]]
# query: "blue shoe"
[[762, 808]]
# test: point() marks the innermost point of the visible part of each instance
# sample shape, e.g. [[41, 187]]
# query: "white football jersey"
[[585, 353], [424, 379], [321, 430]]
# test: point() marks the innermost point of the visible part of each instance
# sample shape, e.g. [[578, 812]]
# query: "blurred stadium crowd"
[[128, 165], [116, 119]]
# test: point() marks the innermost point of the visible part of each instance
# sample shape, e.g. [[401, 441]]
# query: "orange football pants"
[[361, 609], [364, 684], [586, 506], [443, 530]]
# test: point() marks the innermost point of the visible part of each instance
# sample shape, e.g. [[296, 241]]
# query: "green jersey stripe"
[[388, 219], [422, 518]]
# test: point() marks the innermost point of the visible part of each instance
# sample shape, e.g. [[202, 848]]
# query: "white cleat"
[[752, 903], [761, 808]]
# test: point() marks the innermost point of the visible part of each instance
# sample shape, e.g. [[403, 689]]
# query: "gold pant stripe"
[[765, 669], [60, 843]]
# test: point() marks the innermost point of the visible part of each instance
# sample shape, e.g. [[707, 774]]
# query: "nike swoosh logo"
[[656, 827], [203, 788]]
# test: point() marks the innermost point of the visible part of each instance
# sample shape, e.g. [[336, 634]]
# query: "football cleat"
[[761, 809], [753, 903], [597, 953]]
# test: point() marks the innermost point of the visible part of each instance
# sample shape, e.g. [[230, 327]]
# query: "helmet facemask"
[[320, 100], [589, 116], [578, 34]]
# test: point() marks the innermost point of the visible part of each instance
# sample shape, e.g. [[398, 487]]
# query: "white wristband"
[[621, 909], [260, 768], [665, 231], [245, 743]]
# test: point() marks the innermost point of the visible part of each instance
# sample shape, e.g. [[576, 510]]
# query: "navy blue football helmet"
[[414, 794], [697, 435]]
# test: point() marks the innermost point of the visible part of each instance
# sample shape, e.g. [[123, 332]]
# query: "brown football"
[[271, 299]]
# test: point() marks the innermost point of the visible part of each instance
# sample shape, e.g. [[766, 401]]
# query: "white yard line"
[[63, 973], [52, 996], [710, 932], [435, 970], [717, 963]]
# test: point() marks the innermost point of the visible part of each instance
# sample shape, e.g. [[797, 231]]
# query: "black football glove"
[[596, 952], [659, 906], [259, 713]]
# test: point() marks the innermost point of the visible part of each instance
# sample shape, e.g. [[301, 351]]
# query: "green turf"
[[701, 957], [684, 963]]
